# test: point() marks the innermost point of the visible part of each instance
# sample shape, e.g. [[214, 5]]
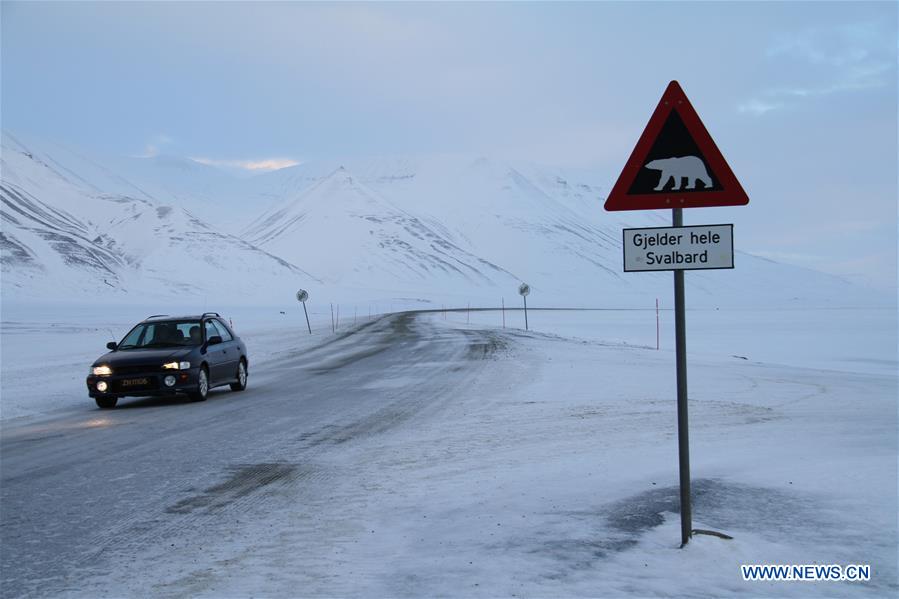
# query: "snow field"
[[849, 339], [552, 471], [560, 478]]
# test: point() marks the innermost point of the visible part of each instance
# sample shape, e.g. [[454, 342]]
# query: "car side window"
[[223, 331], [211, 330]]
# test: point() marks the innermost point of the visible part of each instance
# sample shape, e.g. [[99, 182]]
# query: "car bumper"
[[143, 384]]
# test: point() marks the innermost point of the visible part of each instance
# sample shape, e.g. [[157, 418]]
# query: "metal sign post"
[[524, 289], [679, 248], [677, 165], [302, 296], [683, 441]]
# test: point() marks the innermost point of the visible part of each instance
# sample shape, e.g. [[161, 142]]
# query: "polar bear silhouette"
[[690, 168]]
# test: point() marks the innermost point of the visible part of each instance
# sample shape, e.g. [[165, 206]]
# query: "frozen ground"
[[443, 455], [855, 340]]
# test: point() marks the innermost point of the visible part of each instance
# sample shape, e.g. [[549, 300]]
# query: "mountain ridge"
[[428, 227]]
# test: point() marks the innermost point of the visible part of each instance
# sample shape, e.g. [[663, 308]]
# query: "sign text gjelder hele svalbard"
[[678, 248]]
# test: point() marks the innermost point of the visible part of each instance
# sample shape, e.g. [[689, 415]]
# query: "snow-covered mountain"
[[92, 232], [360, 239], [545, 226], [437, 229]]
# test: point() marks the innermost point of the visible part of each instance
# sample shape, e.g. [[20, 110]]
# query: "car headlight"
[[176, 366], [101, 370]]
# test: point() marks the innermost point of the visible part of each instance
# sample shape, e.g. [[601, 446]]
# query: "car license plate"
[[134, 382]]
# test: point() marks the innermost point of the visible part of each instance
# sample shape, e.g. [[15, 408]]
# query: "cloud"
[[260, 165], [855, 78], [156, 142], [843, 45], [758, 107], [850, 57]]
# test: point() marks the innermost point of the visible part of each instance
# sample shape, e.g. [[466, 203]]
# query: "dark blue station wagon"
[[166, 355]]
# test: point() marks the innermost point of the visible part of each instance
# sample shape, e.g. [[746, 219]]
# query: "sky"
[[801, 97]]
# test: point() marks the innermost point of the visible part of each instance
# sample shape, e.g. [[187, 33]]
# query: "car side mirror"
[[112, 345], [214, 340]]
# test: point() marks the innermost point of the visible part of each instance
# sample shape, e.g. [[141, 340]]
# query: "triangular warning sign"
[[675, 163]]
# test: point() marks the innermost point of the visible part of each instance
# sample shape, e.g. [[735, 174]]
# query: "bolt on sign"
[[675, 163]]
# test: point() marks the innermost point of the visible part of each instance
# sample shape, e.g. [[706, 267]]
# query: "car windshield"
[[166, 333]]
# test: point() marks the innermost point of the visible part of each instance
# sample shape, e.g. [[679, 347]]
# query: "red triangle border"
[[731, 194]]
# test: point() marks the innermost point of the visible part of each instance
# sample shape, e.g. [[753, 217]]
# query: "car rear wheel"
[[202, 386], [107, 403], [241, 383]]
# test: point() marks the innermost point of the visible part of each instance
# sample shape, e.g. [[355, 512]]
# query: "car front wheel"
[[241, 383], [202, 386], [107, 403]]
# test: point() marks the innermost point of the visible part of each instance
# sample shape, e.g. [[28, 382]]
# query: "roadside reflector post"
[[525, 298], [302, 296], [308, 326], [524, 289], [657, 324]]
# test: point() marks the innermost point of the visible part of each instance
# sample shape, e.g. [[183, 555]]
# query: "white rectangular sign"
[[679, 248]]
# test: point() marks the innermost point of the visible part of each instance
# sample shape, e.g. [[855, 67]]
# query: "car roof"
[[163, 317]]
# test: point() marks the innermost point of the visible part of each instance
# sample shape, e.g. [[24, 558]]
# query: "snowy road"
[[83, 491], [417, 455]]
